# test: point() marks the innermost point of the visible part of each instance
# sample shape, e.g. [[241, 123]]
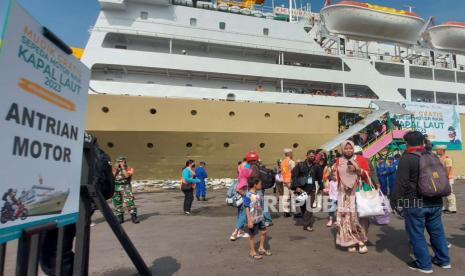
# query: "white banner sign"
[[42, 106], [440, 122]]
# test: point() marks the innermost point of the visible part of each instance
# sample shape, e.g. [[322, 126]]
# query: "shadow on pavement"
[[165, 266], [400, 248], [143, 217], [457, 240]]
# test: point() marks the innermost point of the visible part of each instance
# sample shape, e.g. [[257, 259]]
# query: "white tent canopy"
[[383, 108]]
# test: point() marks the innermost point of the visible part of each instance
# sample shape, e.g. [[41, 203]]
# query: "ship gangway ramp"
[[383, 141]]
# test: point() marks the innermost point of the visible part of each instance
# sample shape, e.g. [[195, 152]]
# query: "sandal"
[[362, 249], [264, 252], [256, 256], [352, 249]]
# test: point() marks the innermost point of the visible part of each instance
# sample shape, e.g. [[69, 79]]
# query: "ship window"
[[267, 115], [300, 116], [295, 145], [153, 111], [226, 145], [110, 144], [193, 112], [446, 98], [461, 99], [390, 69], [461, 77], [222, 26], [123, 47], [444, 75], [189, 145], [224, 87], [262, 145], [189, 84], [403, 92], [422, 96], [193, 21], [232, 114], [327, 117], [105, 109], [149, 145], [417, 72], [231, 97], [144, 15], [360, 91], [266, 31]]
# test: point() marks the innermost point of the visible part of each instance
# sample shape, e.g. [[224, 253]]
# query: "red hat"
[[251, 156]]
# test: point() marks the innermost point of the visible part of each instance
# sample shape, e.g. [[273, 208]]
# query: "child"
[[200, 188], [255, 221], [332, 199]]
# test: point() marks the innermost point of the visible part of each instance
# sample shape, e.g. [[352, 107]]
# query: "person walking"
[[420, 212], [244, 171], [303, 180], [201, 188], [287, 165], [450, 206], [382, 174], [123, 196], [254, 216], [350, 232], [188, 183]]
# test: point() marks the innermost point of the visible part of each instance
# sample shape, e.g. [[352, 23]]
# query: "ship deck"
[[173, 244]]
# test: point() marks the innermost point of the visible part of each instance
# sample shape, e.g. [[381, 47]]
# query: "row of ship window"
[[193, 22], [194, 112]]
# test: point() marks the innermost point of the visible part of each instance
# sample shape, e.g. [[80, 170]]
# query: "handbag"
[[386, 217], [368, 201]]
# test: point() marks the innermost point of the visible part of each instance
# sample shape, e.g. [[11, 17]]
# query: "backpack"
[[233, 198], [267, 176], [432, 180], [100, 167]]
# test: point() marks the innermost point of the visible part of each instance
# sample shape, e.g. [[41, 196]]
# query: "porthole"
[[222, 25], [149, 145], [232, 113], [226, 145], [105, 109], [327, 117], [193, 112], [267, 115], [110, 144], [266, 31], [189, 145], [144, 15], [300, 116], [262, 145], [153, 111], [193, 21], [295, 145], [231, 97]]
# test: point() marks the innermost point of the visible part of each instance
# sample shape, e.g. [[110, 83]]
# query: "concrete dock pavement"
[[172, 243]]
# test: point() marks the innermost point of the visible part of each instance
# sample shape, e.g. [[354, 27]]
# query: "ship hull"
[[157, 145]]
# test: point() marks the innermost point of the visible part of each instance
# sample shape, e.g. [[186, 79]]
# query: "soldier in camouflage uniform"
[[123, 196]]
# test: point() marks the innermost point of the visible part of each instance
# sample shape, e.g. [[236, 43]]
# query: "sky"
[[72, 19]]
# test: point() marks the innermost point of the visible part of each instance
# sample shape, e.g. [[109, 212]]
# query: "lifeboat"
[[449, 36], [363, 21]]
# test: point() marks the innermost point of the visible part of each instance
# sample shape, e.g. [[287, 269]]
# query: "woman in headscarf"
[[350, 232]]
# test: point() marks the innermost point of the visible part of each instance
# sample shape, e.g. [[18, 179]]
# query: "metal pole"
[[22, 259], [59, 256], [2, 257]]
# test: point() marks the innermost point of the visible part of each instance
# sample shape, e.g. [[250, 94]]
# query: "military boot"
[[121, 218], [134, 218]]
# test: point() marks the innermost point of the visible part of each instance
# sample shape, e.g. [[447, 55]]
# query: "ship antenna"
[[410, 8]]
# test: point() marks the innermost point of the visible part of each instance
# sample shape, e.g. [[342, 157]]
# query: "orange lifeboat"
[[449, 36], [364, 21]]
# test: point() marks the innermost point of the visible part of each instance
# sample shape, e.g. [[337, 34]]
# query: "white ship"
[[182, 79]]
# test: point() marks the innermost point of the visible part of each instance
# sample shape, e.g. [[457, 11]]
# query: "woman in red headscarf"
[[350, 173]]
